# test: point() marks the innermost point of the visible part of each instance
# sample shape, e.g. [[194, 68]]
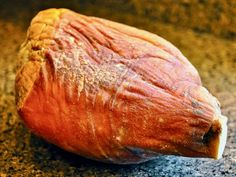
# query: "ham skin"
[[113, 93]]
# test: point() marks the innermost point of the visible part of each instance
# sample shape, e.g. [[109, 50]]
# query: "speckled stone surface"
[[23, 154]]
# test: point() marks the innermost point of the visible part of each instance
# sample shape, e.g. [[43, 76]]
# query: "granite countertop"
[[23, 154]]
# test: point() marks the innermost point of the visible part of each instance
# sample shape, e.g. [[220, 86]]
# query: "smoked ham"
[[112, 92]]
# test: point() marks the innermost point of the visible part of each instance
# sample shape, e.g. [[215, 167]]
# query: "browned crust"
[[32, 52]]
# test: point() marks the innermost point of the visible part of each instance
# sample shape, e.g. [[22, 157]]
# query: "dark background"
[[203, 30]]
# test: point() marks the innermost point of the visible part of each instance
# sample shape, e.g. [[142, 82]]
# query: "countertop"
[[23, 154]]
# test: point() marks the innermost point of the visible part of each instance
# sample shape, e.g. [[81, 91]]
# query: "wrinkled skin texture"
[[111, 92]]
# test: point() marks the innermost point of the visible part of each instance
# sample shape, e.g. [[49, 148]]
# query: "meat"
[[113, 93]]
